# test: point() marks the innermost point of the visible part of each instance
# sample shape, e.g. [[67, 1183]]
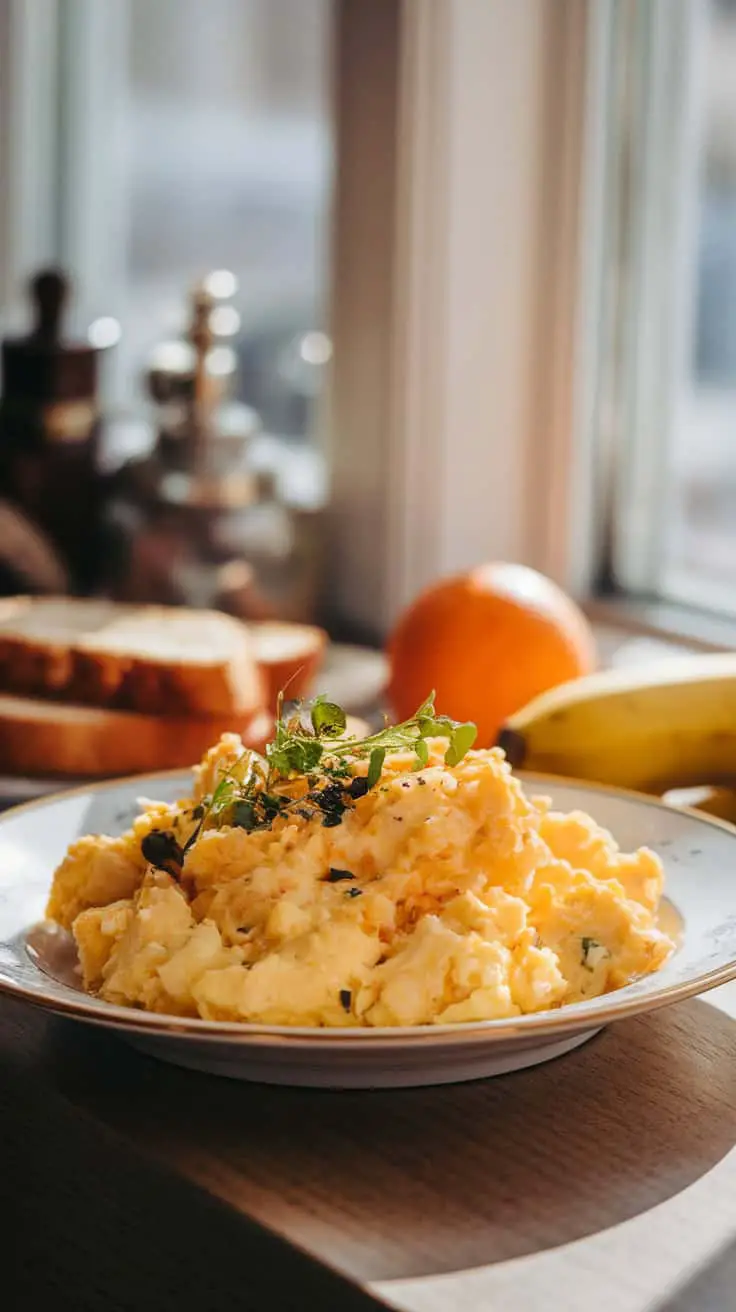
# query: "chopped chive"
[[375, 766]]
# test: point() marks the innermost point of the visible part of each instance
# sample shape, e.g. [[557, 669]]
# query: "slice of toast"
[[44, 739], [49, 740], [152, 659]]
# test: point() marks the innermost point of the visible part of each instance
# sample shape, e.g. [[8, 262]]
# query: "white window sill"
[[658, 627]]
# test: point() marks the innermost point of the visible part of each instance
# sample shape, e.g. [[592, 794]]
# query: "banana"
[[650, 727]]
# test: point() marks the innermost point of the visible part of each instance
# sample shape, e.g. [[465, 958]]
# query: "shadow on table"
[[417, 1182]]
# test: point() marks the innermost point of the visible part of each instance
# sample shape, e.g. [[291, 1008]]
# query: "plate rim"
[[576, 1015]]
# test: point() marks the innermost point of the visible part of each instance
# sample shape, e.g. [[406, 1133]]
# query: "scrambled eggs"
[[440, 894]]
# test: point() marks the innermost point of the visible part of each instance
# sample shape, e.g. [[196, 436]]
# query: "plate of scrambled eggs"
[[395, 910]]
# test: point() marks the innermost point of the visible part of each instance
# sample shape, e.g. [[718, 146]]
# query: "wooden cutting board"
[[605, 1179]]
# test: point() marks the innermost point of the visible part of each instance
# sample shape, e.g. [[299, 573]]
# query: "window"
[[517, 374], [226, 160], [665, 417], [163, 139]]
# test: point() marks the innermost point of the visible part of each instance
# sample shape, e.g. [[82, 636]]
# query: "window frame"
[[568, 452], [28, 153], [457, 293], [646, 287]]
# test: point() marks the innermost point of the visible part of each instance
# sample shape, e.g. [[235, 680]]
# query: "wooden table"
[[605, 1179]]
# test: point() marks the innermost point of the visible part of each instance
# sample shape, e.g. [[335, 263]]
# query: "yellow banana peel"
[[651, 727]]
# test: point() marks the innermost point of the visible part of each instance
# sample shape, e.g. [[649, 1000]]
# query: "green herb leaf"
[[461, 740], [444, 726], [223, 796], [427, 707], [294, 755], [311, 755], [244, 816], [422, 752], [375, 765], [328, 719]]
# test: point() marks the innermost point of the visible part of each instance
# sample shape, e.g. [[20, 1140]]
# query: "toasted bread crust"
[[102, 744], [76, 672]]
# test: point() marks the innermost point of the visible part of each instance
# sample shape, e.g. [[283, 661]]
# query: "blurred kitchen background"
[[188, 154], [365, 291]]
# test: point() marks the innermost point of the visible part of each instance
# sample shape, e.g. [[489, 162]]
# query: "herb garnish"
[[299, 747], [162, 850], [310, 747]]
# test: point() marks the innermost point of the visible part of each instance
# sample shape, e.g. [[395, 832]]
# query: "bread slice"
[[158, 659], [42, 739], [54, 740], [289, 656]]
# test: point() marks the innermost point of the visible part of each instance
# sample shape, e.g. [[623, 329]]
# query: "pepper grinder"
[[199, 521], [174, 521], [49, 431]]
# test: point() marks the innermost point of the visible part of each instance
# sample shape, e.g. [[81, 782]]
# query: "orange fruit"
[[487, 642]]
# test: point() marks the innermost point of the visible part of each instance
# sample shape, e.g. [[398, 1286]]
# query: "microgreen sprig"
[[312, 744], [299, 747]]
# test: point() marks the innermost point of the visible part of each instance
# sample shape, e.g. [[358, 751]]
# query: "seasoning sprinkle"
[[346, 999], [334, 875]]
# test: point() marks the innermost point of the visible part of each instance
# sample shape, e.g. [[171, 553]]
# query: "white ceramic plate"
[[37, 961]]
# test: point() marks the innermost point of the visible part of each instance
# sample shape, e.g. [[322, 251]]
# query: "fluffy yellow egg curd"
[[438, 894]]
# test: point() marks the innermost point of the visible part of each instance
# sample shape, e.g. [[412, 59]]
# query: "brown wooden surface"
[[133, 1184]]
